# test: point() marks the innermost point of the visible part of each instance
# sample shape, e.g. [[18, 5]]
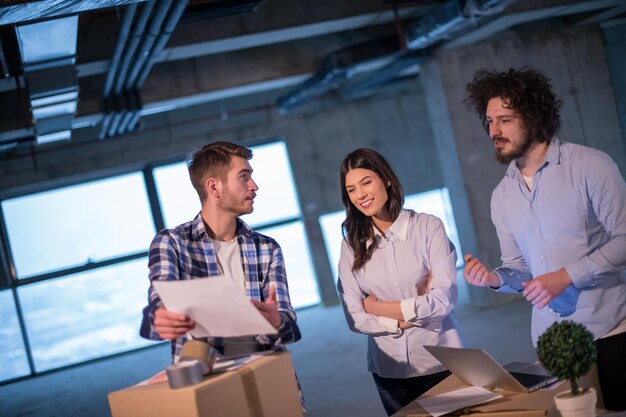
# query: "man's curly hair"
[[527, 91]]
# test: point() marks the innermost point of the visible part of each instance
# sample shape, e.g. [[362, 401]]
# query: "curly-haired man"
[[560, 216]]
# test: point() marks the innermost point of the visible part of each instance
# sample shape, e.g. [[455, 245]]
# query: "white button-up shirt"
[[414, 246], [573, 218]]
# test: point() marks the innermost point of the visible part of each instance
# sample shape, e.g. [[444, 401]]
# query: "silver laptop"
[[476, 367]]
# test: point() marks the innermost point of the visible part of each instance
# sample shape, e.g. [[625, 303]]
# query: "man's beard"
[[515, 153], [230, 204]]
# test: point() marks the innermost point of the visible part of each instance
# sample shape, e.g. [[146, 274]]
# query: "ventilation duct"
[[450, 19], [20, 11], [338, 68], [48, 53], [405, 61]]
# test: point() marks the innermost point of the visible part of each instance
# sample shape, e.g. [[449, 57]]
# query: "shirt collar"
[[198, 231], [399, 227], [553, 156]]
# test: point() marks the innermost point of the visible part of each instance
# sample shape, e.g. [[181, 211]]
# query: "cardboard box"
[[265, 387]]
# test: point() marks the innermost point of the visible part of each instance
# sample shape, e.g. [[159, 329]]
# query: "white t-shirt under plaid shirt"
[[186, 252]]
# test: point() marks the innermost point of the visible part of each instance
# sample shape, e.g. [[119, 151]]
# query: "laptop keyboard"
[[530, 380]]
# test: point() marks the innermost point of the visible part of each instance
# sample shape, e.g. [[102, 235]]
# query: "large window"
[[78, 225], [79, 258], [276, 212], [435, 202], [80, 277], [12, 353], [85, 316]]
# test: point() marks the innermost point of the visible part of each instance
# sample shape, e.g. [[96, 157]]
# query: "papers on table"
[[216, 304], [441, 404]]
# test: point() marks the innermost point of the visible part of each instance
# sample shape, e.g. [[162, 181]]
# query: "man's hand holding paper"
[[217, 307], [170, 325], [269, 308]]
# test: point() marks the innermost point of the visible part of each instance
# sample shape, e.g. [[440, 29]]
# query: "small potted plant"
[[567, 351]]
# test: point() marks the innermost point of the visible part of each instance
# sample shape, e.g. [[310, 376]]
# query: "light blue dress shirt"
[[574, 218], [413, 246]]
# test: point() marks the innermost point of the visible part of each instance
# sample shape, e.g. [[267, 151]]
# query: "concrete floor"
[[329, 360]]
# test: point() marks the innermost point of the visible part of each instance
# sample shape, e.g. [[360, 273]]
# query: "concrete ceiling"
[[249, 55]]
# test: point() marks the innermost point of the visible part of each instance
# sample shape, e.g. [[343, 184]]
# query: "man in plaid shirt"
[[215, 243]]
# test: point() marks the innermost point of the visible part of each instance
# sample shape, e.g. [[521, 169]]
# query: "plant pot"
[[581, 405]]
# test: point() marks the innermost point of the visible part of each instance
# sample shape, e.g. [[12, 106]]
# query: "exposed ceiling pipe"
[[131, 48], [450, 19], [169, 26], [129, 57], [445, 21], [168, 29], [144, 50], [148, 41], [338, 68], [384, 75], [21, 11], [129, 15], [122, 38], [118, 70]]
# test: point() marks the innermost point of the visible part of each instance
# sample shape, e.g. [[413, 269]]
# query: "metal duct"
[[449, 18], [16, 11], [384, 75], [122, 57], [337, 69], [168, 27], [445, 21], [48, 53], [143, 53], [148, 41]]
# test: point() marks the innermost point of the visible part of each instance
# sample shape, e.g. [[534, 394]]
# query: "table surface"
[[542, 399]]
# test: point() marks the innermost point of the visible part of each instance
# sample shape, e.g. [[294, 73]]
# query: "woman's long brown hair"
[[358, 228]]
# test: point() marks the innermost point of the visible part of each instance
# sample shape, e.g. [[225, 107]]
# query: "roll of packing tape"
[[201, 351], [184, 373]]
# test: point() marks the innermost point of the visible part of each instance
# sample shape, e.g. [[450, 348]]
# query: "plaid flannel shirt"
[[186, 252]]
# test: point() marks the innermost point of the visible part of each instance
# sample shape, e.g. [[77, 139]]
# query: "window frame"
[[10, 282]]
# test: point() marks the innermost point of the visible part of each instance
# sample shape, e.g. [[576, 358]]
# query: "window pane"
[[75, 225], [179, 201], [87, 315], [276, 200], [435, 202], [292, 239], [12, 354], [331, 230]]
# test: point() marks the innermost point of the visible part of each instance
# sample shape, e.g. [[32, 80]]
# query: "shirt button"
[[551, 311], [537, 231], [543, 257]]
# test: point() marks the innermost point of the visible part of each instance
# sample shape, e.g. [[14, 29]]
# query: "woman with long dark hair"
[[397, 280]]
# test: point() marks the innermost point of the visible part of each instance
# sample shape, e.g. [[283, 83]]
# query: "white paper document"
[[216, 304], [441, 404]]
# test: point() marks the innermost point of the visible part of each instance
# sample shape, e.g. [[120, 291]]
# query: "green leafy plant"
[[567, 351]]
